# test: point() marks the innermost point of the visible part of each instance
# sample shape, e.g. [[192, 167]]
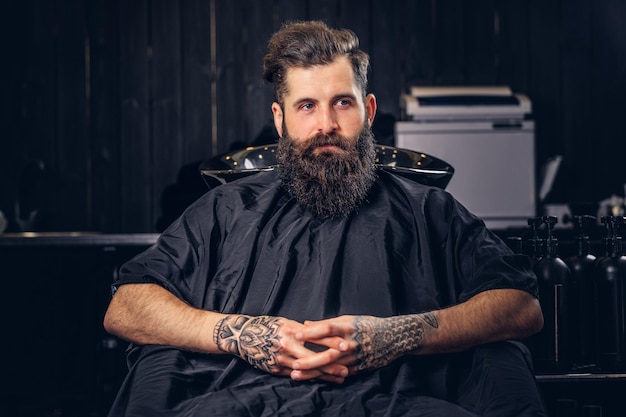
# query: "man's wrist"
[[227, 332], [254, 339], [382, 340]]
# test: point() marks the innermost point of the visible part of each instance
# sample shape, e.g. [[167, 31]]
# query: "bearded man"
[[325, 287]]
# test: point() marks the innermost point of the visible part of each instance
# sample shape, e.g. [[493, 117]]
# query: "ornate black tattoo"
[[254, 339], [431, 320], [383, 340]]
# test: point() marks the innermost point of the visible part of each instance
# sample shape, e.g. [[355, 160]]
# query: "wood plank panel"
[[196, 79], [258, 94], [230, 82], [287, 10], [74, 161], [104, 114], [13, 36], [114, 97], [449, 45], [512, 45], [136, 168], [166, 118], [325, 10], [576, 92], [37, 172], [385, 37], [356, 16], [479, 43], [418, 55], [608, 134], [545, 78]]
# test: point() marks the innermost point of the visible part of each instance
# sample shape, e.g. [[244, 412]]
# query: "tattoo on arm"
[[383, 340], [254, 339]]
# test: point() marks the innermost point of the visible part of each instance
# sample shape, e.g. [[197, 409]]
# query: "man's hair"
[[305, 44]]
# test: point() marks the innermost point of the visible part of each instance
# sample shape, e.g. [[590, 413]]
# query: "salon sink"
[[418, 166]]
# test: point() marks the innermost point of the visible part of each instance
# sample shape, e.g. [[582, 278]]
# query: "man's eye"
[[343, 103], [307, 106]]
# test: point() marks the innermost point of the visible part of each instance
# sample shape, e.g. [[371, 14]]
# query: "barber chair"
[[420, 167]]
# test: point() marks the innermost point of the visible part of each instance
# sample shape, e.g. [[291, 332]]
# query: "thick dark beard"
[[329, 184]]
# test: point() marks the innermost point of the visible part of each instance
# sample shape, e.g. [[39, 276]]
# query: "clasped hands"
[[328, 350], [333, 349]]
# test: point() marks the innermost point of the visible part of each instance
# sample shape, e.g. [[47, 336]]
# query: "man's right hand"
[[269, 344]]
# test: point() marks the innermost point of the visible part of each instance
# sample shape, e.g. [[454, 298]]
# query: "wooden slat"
[[607, 132], [258, 95], [385, 38], [479, 43], [576, 98], [13, 35], [230, 82], [196, 79], [512, 48], [39, 134], [545, 76], [104, 115], [74, 162], [166, 139], [136, 168], [325, 10], [355, 15], [448, 41], [287, 10], [417, 59]]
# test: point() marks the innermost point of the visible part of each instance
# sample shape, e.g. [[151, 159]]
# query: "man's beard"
[[330, 183]]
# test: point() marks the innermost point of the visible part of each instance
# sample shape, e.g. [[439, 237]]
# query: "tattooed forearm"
[[383, 340], [254, 339]]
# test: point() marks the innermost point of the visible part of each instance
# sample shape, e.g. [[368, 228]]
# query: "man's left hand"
[[360, 342]]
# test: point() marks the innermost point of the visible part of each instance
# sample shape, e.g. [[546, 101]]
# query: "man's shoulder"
[[389, 179], [427, 199], [242, 190], [252, 183], [257, 181]]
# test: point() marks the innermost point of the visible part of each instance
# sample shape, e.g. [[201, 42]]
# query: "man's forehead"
[[317, 79]]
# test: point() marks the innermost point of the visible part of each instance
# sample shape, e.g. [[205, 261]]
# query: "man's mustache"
[[327, 139]]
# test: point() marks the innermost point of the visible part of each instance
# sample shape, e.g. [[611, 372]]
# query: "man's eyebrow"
[[336, 97], [344, 95]]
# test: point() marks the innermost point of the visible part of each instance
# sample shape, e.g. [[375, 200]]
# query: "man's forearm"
[[487, 317], [149, 314], [382, 340]]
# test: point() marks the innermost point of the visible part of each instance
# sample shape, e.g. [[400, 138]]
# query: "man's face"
[[323, 99], [327, 164]]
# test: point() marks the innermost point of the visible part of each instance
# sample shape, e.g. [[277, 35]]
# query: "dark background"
[[104, 101]]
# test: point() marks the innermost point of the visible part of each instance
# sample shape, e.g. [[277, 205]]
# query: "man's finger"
[[299, 375], [317, 360]]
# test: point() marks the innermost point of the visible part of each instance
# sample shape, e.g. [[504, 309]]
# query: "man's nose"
[[327, 121]]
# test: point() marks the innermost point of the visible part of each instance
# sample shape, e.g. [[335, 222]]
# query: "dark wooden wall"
[[104, 101]]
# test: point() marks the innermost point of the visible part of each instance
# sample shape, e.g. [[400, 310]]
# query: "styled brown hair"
[[305, 44]]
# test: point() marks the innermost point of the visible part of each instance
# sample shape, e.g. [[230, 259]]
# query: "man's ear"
[[277, 111], [370, 108]]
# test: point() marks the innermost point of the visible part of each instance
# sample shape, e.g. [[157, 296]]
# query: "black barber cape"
[[248, 247]]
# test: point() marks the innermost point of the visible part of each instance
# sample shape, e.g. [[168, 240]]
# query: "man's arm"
[[374, 342], [489, 316], [149, 314]]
